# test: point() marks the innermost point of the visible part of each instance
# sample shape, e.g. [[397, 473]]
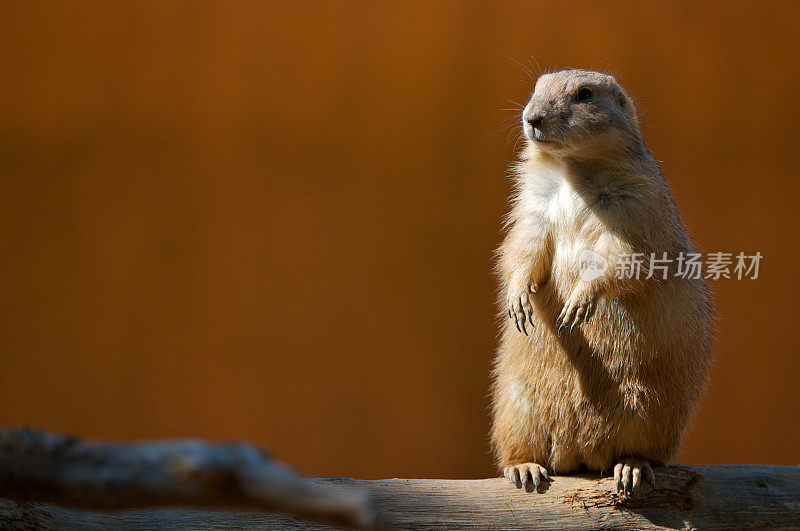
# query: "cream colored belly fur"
[[608, 389]]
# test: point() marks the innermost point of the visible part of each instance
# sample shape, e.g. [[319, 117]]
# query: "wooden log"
[[686, 497], [47, 467]]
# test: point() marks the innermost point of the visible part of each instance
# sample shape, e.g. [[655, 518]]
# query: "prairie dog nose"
[[535, 119]]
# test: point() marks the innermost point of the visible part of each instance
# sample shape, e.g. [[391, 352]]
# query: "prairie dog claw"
[[628, 474], [523, 474], [519, 307], [578, 309]]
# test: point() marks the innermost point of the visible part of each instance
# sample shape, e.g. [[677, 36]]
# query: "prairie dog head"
[[580, 113]]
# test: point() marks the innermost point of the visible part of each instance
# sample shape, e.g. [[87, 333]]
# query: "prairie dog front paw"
[[579, 307], [519, 304]]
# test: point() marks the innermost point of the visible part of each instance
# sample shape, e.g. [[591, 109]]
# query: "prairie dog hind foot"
[[628, 473], [526, 474]]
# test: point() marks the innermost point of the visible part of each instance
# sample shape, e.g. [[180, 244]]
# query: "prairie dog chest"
[[552, 204]]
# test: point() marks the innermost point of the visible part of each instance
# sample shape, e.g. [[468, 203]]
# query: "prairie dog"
[[594, 372]]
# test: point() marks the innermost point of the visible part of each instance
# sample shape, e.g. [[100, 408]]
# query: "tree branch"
[[47, 467]]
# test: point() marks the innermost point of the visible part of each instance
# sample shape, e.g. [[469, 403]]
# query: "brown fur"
[[623, 383]]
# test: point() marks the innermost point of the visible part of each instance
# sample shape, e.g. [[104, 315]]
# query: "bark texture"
[[54, 482]]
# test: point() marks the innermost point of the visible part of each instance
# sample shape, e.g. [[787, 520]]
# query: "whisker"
[[512, 102], [509, 126], [525, 69], [536, 67], [517, 141]]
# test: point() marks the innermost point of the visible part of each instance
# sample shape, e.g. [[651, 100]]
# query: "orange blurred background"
[[275, 221]]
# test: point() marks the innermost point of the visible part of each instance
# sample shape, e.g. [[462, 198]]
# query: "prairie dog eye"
[[584, 94]]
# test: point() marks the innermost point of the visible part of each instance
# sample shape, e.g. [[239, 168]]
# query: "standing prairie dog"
[[594, 371]]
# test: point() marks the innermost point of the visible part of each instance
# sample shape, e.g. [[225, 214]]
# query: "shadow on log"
[[53, 482]]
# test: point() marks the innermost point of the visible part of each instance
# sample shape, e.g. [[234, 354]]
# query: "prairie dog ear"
[[626, 103]]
